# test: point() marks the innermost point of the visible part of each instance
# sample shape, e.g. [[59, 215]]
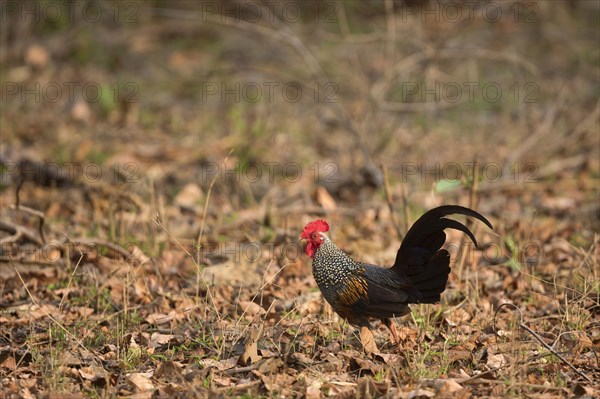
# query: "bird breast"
[[331, 266]]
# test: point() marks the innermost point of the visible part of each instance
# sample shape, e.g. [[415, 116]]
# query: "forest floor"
[[159, 163]]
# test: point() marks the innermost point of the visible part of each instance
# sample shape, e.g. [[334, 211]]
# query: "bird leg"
[[368, 340], [390, 324]]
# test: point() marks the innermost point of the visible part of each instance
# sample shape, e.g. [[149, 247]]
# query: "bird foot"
[[368, 340]]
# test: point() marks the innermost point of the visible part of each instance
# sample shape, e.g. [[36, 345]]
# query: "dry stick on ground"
[[29, 210], [537, 337], [390, 203], [93, 242], [65, 292], [17, 232]]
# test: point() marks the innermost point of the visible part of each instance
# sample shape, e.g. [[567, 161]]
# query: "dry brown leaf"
[[407, 334], [369, 388], [278, 383], [582, 390], [159, 318], [445, 386], [368, 340], [313, 390], [417, 394], [189, 197], [222, 381], [325, 199], [25, 393], [310, 307], [251, 308], [250, 355], [35, 312], [224, 364], [170, 371], [455, 355], [92, 373], [9, 363], [157, 339], [270, 365], [496, 361], [458, 317], [141, 381], [302, 359], [389, 358], [67, 358], [27, 382]]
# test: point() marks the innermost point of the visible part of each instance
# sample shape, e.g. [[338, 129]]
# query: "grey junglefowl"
[[358, 291]]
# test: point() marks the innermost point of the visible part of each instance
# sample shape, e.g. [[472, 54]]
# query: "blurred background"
[[308, 98]]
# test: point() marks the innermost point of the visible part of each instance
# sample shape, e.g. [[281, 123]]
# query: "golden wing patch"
[[353, 290]]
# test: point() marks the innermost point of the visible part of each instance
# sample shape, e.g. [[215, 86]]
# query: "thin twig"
[[17, 232], [34, 212], [65, 292], [201, 233], [204, 212], [537, 337], [94, 242]]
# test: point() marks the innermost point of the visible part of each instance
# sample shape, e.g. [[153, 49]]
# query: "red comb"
[[317, 225]]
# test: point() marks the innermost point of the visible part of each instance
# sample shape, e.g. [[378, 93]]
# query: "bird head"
[[313, 234]]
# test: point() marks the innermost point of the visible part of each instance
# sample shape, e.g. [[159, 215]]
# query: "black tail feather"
[[428, 231], [420, 256], [433, 276]]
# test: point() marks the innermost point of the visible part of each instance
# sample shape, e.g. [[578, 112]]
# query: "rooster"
[[358, 291]]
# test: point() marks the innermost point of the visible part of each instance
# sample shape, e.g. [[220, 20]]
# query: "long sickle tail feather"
[[420, 256]]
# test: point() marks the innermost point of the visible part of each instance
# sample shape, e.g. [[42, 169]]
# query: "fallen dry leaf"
[[92, 373], [141, 381], [250, 355], [325, 199], [313, 390], [251, 308], [157, 340], [446, 386], [417, 394], [278, 383], [170, 371], [368, 340], [496, 361]]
